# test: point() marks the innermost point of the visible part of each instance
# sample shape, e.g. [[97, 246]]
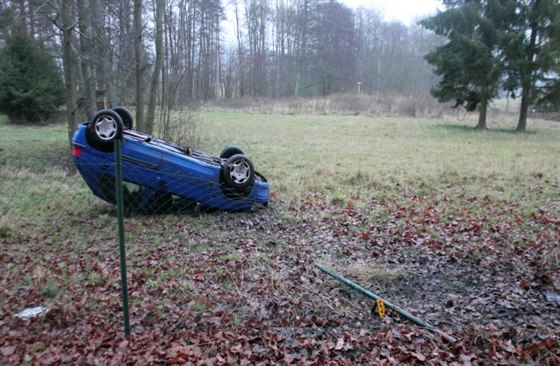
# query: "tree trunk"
[[240, 57], [88, 105], [105, 77], [481, 126], [70, 64], [160, 5], [301, 49], [527, 81], [138, 64], [524, 110]]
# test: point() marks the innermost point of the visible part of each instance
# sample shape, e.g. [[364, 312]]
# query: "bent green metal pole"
[[120, 220], [388, 304]]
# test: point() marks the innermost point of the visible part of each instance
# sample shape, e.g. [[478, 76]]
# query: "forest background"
[[178, 53]]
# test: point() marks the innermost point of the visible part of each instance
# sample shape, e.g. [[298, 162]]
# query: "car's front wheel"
[[239, 172], [104, 128]]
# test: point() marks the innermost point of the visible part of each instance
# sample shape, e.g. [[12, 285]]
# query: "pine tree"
[[468, 65], [31, 86], [530, 48]]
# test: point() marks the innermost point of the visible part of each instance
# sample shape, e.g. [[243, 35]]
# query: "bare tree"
[[138, 63], [301, 49], [240, 51], [284, 41], [160, 8], [87, 102], [334, 47], [106, 79], [256, 13], [70, 63], [123, 51]]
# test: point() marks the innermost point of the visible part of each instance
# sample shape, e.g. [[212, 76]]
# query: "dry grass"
[[376, 105], [393, 105], [371, 275]]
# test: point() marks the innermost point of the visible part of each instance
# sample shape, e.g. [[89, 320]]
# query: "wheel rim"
[[106, 127], [239, 171]]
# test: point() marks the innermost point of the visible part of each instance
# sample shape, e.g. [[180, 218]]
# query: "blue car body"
[[163, 175]]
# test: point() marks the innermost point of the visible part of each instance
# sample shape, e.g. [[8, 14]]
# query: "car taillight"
[[76, 151]]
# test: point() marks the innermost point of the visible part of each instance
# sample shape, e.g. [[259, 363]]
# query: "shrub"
[[31, 86]]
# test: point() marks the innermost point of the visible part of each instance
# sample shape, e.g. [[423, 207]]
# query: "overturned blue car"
[[160, 176]]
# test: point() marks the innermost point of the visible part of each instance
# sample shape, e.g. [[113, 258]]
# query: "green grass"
[[339, 157], [49, 289], [30, 146], [344, 155]]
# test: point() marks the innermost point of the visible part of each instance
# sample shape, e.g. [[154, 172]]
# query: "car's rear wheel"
[[104, 128], [229, 151], [239, 172], [126, 117]]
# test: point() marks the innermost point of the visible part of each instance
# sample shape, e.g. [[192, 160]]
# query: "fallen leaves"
[[241, 289]]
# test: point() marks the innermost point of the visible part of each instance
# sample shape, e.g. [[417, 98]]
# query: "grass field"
[[338, 155], [457, 226]]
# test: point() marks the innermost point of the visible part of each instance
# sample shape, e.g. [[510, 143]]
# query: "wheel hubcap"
[[239, 172], [106, 127]]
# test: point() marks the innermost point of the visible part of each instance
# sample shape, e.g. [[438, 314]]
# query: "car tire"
[[126, 117], [105, 127], [238, 172], [229, 151]]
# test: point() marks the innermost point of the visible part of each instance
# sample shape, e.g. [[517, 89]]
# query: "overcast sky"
[[406, 11]]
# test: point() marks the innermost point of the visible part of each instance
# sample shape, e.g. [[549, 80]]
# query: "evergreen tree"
[[531, 50], [468, 64], [31, 86]]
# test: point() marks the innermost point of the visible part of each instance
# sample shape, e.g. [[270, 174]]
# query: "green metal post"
[[388, 304], [120, 220]]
